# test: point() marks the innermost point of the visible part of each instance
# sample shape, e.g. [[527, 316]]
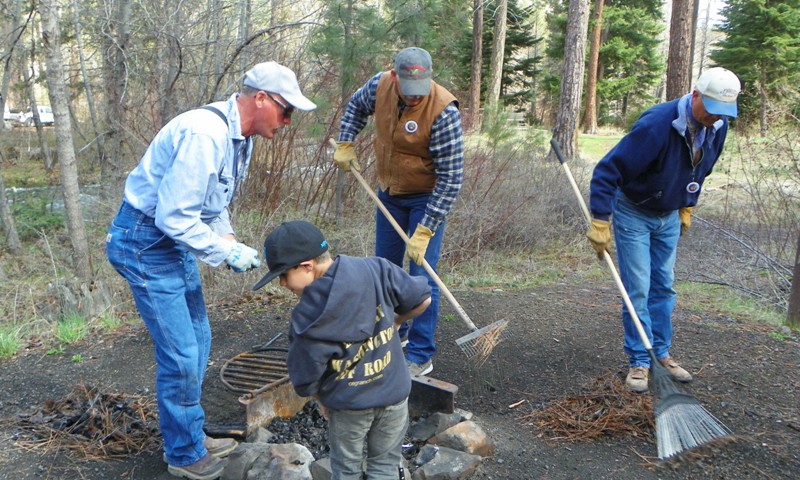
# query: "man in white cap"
[[174, 210], [649, 183], [419, 152]]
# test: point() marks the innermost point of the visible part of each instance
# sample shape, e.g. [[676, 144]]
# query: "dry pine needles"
[[91, 423], [606, 409]]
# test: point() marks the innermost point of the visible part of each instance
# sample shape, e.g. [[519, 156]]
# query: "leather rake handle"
[[462, 313], [606, 256]]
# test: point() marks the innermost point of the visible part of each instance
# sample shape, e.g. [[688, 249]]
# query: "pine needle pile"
[[93, 424], [606, 409]]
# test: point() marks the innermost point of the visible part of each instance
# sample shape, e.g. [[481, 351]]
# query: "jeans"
[[646, 242], [382, 429], [408, 211], [166, 288]]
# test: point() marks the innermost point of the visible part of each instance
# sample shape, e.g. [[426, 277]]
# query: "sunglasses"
[[287, 110]]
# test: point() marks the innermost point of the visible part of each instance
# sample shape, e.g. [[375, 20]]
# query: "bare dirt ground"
[[562, 338]]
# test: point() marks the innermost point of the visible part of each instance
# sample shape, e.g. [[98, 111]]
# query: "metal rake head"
[[479, 344]]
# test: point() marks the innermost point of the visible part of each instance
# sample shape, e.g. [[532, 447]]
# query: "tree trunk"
[[346, 81], [565, 130], [87, 82], [30, 79], [590, 112], [474, 120], [793, 314], [762, 99], [679, 59], [57, 90], [115, 60], [9, 227], [498, 48]]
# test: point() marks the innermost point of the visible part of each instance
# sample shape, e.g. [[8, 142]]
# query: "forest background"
[[115, 71]]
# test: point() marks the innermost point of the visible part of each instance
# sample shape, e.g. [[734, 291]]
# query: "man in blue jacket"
[[649, 183]]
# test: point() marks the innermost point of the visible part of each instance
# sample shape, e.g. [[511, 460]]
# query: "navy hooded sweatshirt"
[[343, 343]]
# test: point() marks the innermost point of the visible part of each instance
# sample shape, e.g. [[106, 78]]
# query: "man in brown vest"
[[419, 152]]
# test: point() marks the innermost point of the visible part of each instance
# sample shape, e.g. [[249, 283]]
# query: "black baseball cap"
[[289, 245]]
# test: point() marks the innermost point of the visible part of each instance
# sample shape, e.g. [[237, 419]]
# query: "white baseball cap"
[[719, 88], [275, 78]]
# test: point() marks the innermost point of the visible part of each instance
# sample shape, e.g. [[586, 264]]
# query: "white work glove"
[[242, 258]]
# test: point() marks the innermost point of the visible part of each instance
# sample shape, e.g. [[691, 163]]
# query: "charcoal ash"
[[307, 428]]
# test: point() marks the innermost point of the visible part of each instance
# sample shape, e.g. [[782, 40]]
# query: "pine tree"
[[762, 47]]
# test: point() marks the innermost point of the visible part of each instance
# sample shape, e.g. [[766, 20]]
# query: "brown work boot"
[[636, 381], [677, 372], [220, 447], [207, 468]]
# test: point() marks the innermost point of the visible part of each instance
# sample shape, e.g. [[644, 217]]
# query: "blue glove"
[[242, 258]]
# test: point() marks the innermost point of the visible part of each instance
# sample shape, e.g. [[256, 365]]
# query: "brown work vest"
[[404, 162]]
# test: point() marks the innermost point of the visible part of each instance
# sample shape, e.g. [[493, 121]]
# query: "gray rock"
[[448, 464]]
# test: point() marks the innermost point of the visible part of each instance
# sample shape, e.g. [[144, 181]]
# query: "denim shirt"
[[188, 175]]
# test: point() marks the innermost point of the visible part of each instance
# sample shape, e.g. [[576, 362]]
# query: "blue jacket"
[[653, 163], [343, 343]]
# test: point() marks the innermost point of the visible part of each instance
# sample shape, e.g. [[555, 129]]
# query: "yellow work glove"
[[418, 243], [599, 235], [345, 156], [686, 218]]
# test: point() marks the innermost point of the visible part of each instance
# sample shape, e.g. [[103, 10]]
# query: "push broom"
[[480, 342], [681, 421]]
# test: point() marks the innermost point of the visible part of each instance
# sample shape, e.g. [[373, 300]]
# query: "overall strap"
[[216, 110]]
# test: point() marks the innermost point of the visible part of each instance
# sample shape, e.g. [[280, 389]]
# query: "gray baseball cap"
[[275, 78], [414, 70]]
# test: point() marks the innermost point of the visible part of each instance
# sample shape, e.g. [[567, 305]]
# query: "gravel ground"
[[562, 338]]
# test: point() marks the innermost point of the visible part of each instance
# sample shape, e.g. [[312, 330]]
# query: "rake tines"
[[681, 421], [479, 344]]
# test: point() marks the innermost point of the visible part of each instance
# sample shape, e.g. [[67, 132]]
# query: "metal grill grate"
[[256, 371]]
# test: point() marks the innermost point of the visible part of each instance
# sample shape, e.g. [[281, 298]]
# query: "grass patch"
[[10, 341], [71, 328], [593, 147], [109, 322], [728, 302]]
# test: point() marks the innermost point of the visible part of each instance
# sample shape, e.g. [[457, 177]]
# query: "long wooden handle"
[[461, 312], [606, 256]]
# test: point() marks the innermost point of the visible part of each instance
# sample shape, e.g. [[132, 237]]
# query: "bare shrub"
[[746, 225], [512, 200]]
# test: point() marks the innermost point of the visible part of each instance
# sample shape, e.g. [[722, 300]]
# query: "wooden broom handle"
[[606, 256], [405, 238]]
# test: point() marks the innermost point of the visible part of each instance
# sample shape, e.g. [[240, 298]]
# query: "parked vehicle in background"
[[11, 115], [45, 116]]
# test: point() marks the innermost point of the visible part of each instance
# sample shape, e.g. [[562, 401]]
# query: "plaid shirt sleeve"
[[359, 108], [447, 148]]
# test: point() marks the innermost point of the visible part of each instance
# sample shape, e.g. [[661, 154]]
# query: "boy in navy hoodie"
[[344, 348]]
